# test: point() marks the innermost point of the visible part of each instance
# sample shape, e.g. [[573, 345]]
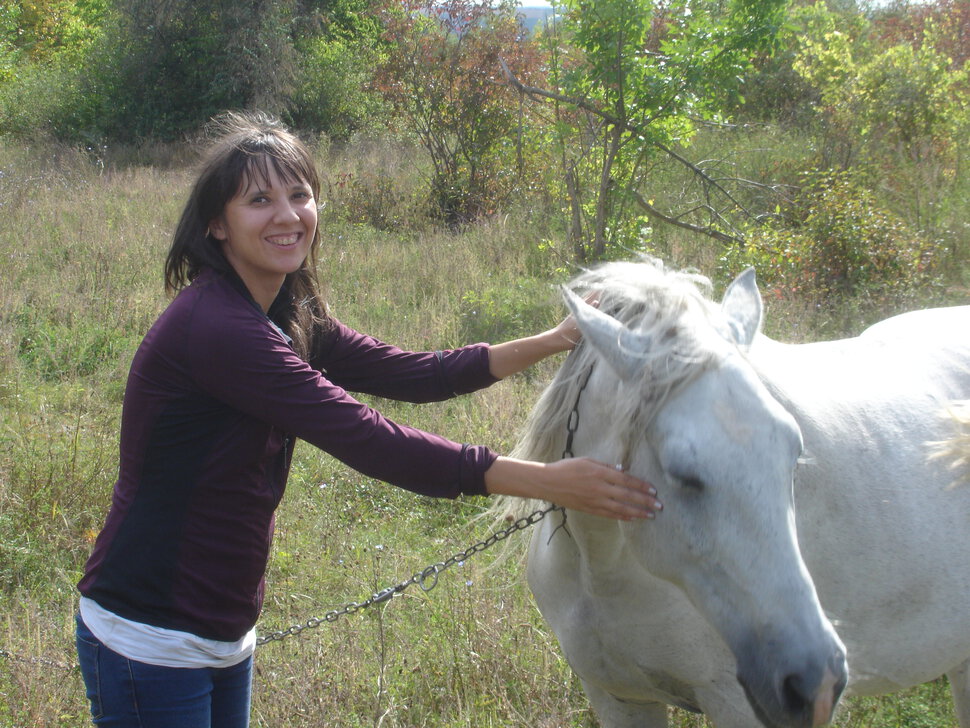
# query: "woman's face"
[[266, 231]]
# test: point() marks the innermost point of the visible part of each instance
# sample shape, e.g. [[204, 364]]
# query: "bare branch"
[[572, 100], [703, 175], [710, 232]]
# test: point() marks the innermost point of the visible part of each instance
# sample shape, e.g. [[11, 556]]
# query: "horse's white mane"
[[955, 451], [652, 300]]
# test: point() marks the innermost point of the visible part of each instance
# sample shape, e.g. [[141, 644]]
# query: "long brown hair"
[[243, 147]]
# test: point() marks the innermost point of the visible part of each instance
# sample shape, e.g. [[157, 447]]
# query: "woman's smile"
[[285, 241]]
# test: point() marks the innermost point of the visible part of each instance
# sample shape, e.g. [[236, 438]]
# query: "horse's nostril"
[[808, 706], [793, 694]]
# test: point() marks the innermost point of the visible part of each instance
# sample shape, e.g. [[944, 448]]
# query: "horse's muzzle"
[[803, 697]]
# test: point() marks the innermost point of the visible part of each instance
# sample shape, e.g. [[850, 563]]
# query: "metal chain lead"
[[572, 423], [426, 579]]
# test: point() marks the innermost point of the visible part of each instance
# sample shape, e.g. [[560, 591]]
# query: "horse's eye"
[[692, 483]]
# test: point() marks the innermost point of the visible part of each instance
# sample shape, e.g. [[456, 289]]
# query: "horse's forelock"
[[627, 290], [650, 299]]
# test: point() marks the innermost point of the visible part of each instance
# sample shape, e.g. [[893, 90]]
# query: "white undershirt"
[[160, 646]]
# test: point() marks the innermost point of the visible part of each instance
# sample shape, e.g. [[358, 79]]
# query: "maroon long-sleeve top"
[[214, 400]]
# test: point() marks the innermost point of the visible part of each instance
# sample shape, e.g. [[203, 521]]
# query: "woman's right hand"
[[581, 484]]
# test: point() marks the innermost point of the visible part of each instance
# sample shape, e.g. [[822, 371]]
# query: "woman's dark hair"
[[243, 147]]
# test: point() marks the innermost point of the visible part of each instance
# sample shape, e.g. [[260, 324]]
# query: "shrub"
[[442, 79], [834, 244], [42, 99], [375, 198], [331, 89]]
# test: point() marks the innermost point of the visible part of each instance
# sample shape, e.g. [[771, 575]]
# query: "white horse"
[[718, 605]]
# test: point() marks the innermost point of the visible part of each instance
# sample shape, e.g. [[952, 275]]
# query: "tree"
[[44, 45], [43, 28], [442, 77], [947, 21], [650, 74], [338, 44], [9, 51], [91, 70], [168, 66]]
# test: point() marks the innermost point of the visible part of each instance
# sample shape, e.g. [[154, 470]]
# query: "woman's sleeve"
[[361, 363], [252, 369]]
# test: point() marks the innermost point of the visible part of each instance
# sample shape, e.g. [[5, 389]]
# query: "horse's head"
[[672, 396]]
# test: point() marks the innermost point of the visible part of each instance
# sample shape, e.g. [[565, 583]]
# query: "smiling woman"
[[245, 360]]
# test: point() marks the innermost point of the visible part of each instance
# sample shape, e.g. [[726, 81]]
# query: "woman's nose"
[[286, 211]]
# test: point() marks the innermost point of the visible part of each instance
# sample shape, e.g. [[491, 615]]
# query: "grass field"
[[81, 250]]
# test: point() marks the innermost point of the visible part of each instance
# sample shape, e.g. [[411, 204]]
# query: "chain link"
[[426, 579], [45, 661], [572, 422]]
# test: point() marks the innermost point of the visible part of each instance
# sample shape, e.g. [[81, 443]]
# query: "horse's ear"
[[743, 308], [622, 348]]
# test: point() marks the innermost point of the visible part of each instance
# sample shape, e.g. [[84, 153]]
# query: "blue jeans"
[[129, 694]]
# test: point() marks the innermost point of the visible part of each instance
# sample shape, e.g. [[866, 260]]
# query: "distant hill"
[[532, 16]]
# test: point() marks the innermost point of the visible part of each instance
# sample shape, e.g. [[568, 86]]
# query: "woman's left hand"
[[567, 329], [581, 484], [514, 356]]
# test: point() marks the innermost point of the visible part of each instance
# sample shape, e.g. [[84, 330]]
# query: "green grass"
[[81, 253]]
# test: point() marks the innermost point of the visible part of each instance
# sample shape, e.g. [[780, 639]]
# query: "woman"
[[243, 361]]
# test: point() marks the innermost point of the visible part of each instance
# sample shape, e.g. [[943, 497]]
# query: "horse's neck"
[[797, 375]]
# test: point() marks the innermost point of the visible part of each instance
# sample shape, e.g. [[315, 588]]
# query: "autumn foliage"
[[443, 78]]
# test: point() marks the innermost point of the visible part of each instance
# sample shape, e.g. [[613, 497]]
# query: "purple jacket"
[[214, 400]]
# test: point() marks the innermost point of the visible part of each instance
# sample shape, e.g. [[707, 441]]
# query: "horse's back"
[[913, 363], [934, 324]]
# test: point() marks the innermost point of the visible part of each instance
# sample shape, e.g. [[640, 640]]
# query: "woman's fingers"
[[568, 329], [606, 490], [628, 498]]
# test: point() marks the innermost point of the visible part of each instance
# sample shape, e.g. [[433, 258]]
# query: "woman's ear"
[[217, 229]]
